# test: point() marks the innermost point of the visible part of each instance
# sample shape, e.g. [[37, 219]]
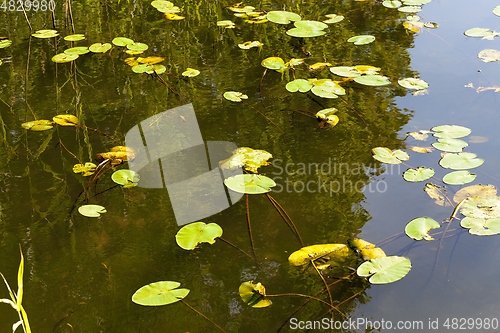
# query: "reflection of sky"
[[464, 281]]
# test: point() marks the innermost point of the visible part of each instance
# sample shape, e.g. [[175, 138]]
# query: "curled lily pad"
[[250, 183], [275, 63], [282, 17], [391, 3], [460, 161], [122, 41], [313, 252], [489, 55], [254, 294], [450, 145], [247, 158], [63, 57], [189, 236], [5, 43], [333, 18], [481, 227], [385, 155], [65, 120], [137, 47], [437, 193], [191, 72], [458, 177], [174, 17], [419, 174], [99, 47], [87, 169], [77, 50], [418, 228], [234, 96], [226, 24], [159, 293], [412, 83], [361, 39], [328, 116], [75, 37], [372, 80], [38, 125], [385, 269], [299, 85], [127, 178], [450, 131], [366, 249], [46, 33], [249, 45], [91, 210]]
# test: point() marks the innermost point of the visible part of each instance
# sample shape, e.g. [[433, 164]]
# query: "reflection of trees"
[[135, 241]]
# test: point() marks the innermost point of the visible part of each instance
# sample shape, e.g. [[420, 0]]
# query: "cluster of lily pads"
[[486, 55], [168, 8]]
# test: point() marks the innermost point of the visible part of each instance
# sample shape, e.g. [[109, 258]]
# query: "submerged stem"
[[201, 314], [287, 220]]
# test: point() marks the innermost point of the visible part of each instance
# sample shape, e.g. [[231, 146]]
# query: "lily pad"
[[481, 207], [137, 46], [415, 2], [250, 184], [410, 9], [307, 29], [460, 161], [247, 158], [63, 57], [75, 37], [142, 68], [299, 85], [418, 228], [385, 155], [38, 125], [481, 227], [189, 236], [65, 120], [191, 72], [372, 80], [489, 55], [313, 252], [234, 96], [226, 24], [385, 270], [412, 83], [77, 50], [361, 39], [392, 3], [478, 190], [496, 10], [327, 89], [437, 193], [450, 131], [419, 174], [282, 17], [345, 71], [46, 33], [333, 18], [5, 43], [450, 145], [127, 178], [159, 293], [329, 116], [254, 294], [122, 41], [158, 69], [275, 63], [249, 45], [99, 47], [87, 169], [366, 249], [479, 32], [459, 177], [91, 210]]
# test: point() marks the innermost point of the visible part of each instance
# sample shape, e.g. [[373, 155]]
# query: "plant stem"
[[283, 213], [249, 227], [198, 312]]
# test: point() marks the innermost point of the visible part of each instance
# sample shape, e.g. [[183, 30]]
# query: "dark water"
[[80, 273]]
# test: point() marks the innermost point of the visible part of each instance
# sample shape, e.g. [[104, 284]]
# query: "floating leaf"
[[158, 69], [460, 161], [282, 17], [88, 169], [459, 177], [385, 155], [127, 178], [329, 116], [431, 25], [122, 41], [75, 37], [345, 71], [137, 46], [38, 125], [191, 72], [159, 293], [299, 85], [413, 18], [91, 210], [421, 149], [173, 16], [162, 4], [247, 158], [77, 50], [415, 2], [142, 68], [116, 155], [99, 47], [189, 236], [226, 24], [478, 190], [385, 269], [313, 252], [234, 96], [479, 32], [245, 9], [327, 89], [333, 18], [450, 131], [319, 65], [421, 136], [412, 83], [66, 120], [418, 228], [450, 145], [481, 207], [46, 33], [5, 43], [307, 29], [410, 9], [391, 3], [248, 45], [417, 175], [496, 10], [489, 55], [481, 227], [366, 249], [437, 193], [254, 294], [63, 57], [250, 184], [275, 63], [372, 80], [361, 39]]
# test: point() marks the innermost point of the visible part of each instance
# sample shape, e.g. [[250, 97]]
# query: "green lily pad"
[[431, 25], [307, 29], [458, 178], [100, 48], [38, 125], [63, 57], [137, 47], [46, 33], [418, 228], [250, 184], [417, 175], [372, 80], [5, 43], [87, 169], [122, 41], [412, 83], [275, 63], [249, 45], [333, 18], [344, 71], [392, 3], [366, 249], [77, 50], [226, 24], [385, 155], [415, 2], [127, 178], [450, 145], [254, 294], [410, 9], [481, 207], [91, 210], [460, 161], [142, 68], [299, 85], [361, 39], [158, 69], [162, 3], [496, 10], [159, 293], [489, 55], [328, 89], [247, 158], [328, 115], [481, 227], [479, 32], [234, 96], [190, 72], [385, 270], [75, 37], [413, 18], [478, 190], [450, 131], [189, 236], [282, 17]]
